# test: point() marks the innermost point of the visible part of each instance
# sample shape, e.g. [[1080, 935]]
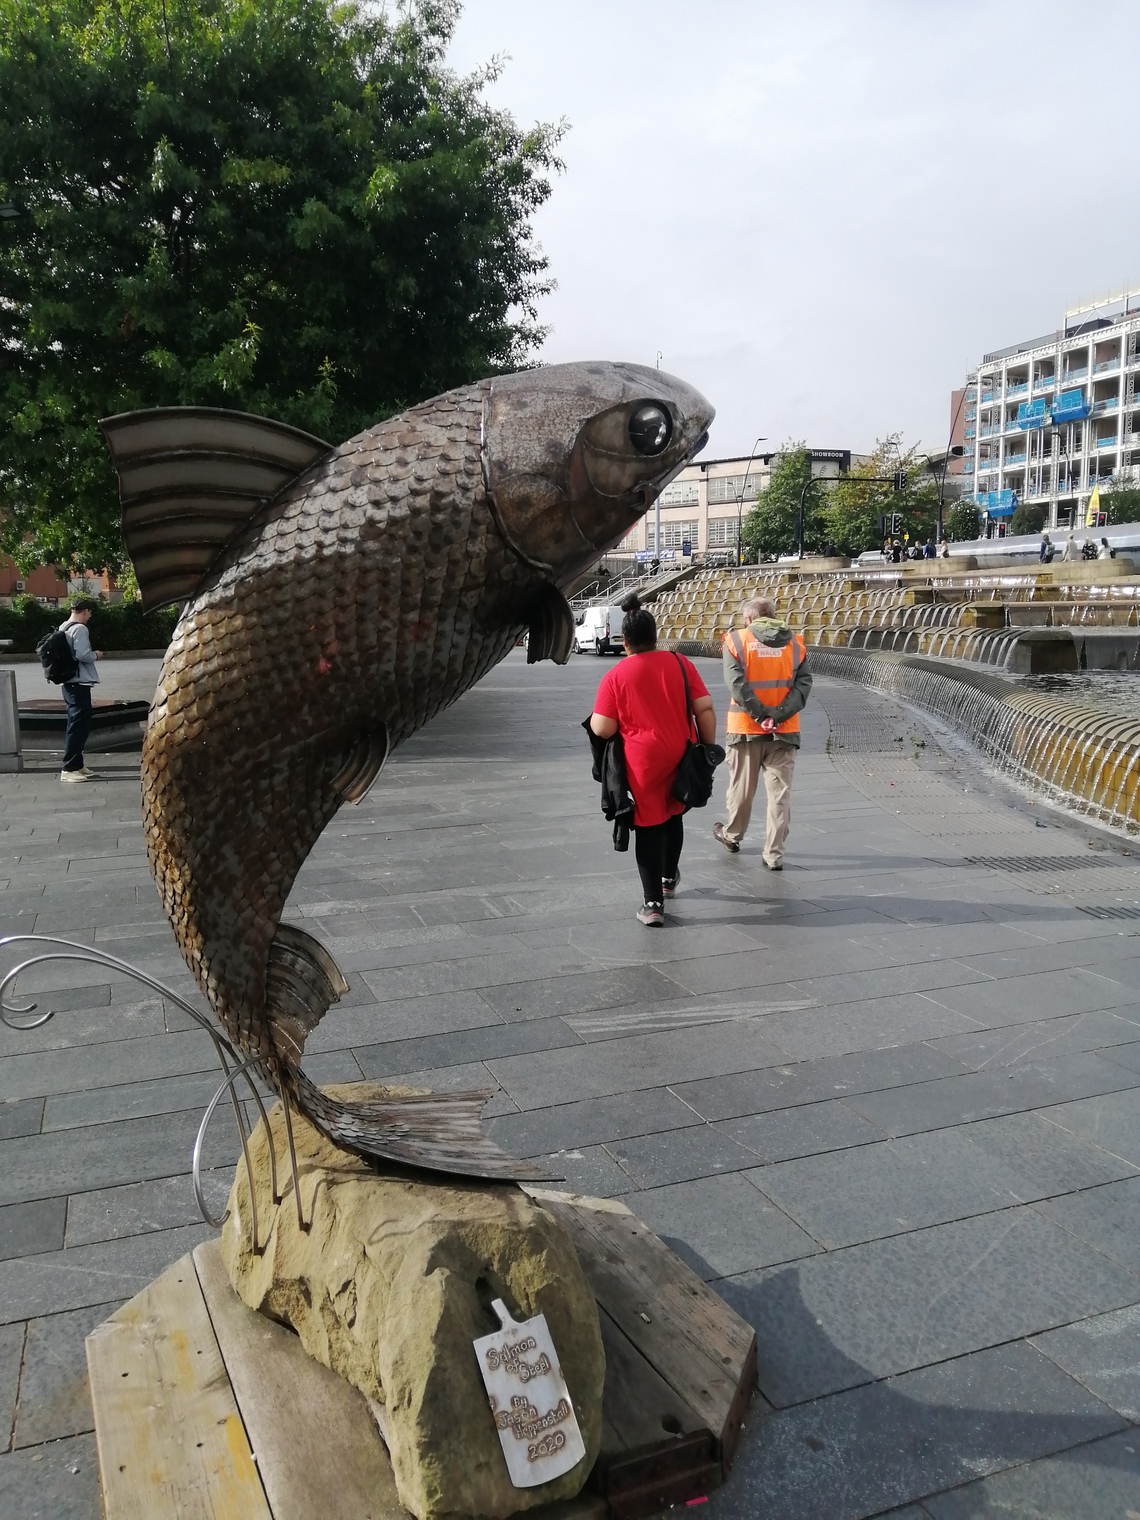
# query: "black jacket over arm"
[[609, 769]]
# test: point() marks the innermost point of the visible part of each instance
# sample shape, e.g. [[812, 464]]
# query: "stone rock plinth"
[[390, 1286]]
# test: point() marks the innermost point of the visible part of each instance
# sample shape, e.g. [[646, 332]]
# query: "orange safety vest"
[[770, 673]]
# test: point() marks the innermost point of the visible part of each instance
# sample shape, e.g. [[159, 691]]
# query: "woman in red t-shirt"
[[644, 699]]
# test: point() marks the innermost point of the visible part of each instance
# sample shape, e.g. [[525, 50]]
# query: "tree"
[[289, 207], [772, 526], [858, 502], [963, 522], [1027, 518], [1121, 502]]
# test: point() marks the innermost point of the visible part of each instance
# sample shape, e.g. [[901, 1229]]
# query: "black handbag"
[[693, 782]]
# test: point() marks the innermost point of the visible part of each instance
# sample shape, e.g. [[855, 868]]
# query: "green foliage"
[[1122, 503], [113, 625], [859, 500], [287, 207], [1027, 518], [772, 526], [963, 522]]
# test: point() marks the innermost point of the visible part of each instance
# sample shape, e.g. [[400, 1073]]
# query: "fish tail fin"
[[301, 985], [439, 1132]]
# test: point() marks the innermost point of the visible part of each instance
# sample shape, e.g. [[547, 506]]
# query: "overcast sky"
[[823, 213]]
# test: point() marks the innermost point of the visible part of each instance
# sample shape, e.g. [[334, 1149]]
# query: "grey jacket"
[[777, 634], [80, 641]]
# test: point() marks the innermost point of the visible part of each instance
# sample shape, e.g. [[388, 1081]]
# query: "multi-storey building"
[[705, 504], [1047, 420]]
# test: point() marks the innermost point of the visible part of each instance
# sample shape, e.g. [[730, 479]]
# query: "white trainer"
[[74, 776]]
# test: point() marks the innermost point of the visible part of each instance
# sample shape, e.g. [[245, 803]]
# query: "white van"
[[599, 632]]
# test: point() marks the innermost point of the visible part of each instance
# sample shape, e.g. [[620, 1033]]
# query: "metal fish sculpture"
[[335, 599]]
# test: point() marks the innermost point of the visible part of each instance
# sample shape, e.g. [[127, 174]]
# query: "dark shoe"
[[652, 915], [767, 867], [669, 885], [718, 833]]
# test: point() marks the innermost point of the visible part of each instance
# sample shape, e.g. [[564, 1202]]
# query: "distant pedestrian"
[[644, 700], [1104, 552], [945, 548], [1070, 549], [1045, 549], [928, 549], [77, 692], [896, 552], [765, 669]]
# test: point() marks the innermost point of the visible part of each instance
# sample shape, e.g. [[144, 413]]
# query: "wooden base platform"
[[205, 1410]]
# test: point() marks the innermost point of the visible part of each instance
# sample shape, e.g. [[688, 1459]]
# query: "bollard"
[[11, 759]]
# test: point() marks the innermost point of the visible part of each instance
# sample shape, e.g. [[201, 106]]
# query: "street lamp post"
[[808, 483], [740, 499]]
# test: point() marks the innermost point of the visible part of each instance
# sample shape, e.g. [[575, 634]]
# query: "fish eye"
[[650, 429]]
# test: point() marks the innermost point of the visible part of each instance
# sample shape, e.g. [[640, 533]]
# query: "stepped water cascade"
[[939, 638]]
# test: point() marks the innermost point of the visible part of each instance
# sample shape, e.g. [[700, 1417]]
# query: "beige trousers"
[[745, 763]]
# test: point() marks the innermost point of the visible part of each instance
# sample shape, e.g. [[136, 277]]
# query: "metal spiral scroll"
[[229, 1059]]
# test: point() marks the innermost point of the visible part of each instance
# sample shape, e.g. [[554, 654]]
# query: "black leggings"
[[658, 851]]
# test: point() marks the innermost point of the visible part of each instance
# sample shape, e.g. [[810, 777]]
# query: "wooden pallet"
[[205, 1410]]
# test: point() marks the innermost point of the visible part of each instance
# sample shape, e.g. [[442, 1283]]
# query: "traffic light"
[[896, 524], [898, 480]]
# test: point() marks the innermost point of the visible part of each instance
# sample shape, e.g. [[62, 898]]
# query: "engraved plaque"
[[529, 1399]]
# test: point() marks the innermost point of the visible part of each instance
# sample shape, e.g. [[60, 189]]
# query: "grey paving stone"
[[481, 1043], [54, 1396], [20, 1117], [1105, 1217], [1103, 1353], [951, 1289], [118, 1061], [679, 1155], [59, 1481], [137, 1208], [893, 1442], [1047, 994], [651, 1060], [11, 1358], [721, 1225], [103, 1155], [131, 1100], [920, 1180], [570, 1125], [580, 993], [587, 1169], [26, 1228], [793, 1083], [1014, 1044], [470, 973], [86, 1026], [1112, 1121], [988, 1094], [110, 1271], [888, 981], [1090, 1482], [1124, 1055], [879, 1023], [469, 1077], [808, 1130]]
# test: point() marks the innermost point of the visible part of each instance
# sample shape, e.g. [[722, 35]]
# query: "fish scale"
[[381, 581]]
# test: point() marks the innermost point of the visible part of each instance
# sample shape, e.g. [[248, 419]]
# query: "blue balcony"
[[1045, 383], [1017, 390], [1031, 414], [1070, 406], [1109, 404], [1107, 443], [1106, 365], [1075, 374]]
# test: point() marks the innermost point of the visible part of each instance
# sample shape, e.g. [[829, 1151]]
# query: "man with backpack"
[[77, 690]]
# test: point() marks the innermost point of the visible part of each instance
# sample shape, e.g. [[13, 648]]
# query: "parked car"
[[600, 631]]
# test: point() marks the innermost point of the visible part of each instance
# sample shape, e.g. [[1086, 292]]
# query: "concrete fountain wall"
[[1079, 756]]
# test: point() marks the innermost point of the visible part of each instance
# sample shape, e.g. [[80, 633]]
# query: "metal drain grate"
[[1109, 912], [1039, 862]]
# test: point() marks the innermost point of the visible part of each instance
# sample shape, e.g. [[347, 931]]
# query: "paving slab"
[[1091, 1482], [885, 1101]]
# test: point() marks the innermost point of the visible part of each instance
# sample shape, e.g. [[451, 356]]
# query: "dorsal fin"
[[190, 477]]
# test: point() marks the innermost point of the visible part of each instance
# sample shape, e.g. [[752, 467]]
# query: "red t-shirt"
[[646, 694]]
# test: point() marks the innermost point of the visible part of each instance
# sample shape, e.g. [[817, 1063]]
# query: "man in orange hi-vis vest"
[[765, 669]]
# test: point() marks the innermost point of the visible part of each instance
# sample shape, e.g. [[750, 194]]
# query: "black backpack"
[[57, 657]]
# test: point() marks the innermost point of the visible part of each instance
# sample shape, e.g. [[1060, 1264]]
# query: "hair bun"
[[632, 603]]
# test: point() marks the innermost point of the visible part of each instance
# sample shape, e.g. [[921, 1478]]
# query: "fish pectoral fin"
[[301, 985], [551, 628], [363, 765], [190, 479]]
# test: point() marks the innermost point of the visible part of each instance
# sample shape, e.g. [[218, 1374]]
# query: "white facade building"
[[704, 506], [1047, 420]]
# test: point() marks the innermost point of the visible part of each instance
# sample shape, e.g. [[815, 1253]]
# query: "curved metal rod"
[[196, 1169], [72, 950], [293, 1163]]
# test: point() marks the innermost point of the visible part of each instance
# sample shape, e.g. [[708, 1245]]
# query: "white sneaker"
[[74, 776]]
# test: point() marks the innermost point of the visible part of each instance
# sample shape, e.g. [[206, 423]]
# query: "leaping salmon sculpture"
[[335, 599]]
